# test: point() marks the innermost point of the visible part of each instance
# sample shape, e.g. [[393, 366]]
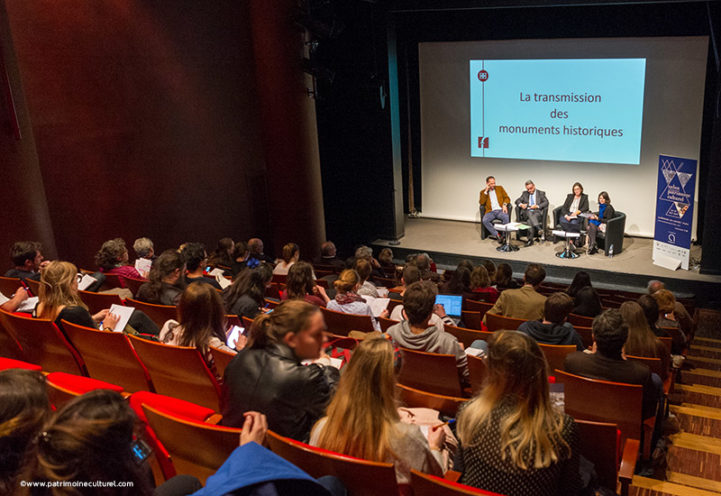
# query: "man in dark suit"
[[533, 204]]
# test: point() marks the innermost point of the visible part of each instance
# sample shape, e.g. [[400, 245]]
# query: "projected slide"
[[578, 110]]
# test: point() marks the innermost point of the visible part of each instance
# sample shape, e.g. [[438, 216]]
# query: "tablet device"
[[452, 304]]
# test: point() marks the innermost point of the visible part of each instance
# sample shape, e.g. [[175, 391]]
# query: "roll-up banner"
[[674, 211]]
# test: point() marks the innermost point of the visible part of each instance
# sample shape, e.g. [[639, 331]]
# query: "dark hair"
[[201, 313], [574, 187], [610, 333], [489, 178], [605, 196], [364, 269], [90, 440], [587, 302], [240, 249], [557, 307], [535, 274], [411, 274], [194, 254], [418, 301], [650, 309], [480, 278], [327, 249], [291, 316], [460, 281], [24, 250], [300, 280], [490, 268], [250, 282], [580, 280], [504, 276], [423, 262], [109, 255], [221, 255], [465, 263], [162, 267], [24, 407]]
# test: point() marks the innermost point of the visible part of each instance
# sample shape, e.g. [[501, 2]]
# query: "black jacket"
[[582, 205], [272, 381], [558, 334]]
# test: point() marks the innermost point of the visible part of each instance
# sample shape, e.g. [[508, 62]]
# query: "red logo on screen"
[[482, 142], [483, 75]]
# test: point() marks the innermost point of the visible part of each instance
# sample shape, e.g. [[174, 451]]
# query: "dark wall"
[[145, 120]]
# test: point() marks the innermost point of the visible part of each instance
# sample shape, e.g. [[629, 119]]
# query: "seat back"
[[221, 358], [342, 323], [430, 372], [415, 398], [9, 345], [112, 281], [196, 448], [477, 372], [430, 485], [600, 445], [64, 387], [654, 364], [33, 286], [556, 355], [496, 322], [360, 477], [579, 320], [179, 371], [99, 301], [586, 335], [280, 278], [476, 306], [134, 284], [44, 344], [386, 323], [604, 401], [157, 313], [472, 320], [8, 285], [109, 357], [467, 336], [666, 340]]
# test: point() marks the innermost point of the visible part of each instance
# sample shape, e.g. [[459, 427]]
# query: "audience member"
[[362, 420], [300, 285], [504, 278], [366, 253], [347, 299], [685, 321], [195, 257], [581, 280], [113, 259], [524, 302], [256, 255], [385, 259], [367, 288], [329, 256], [641, 341], [13, 303], [650, 311], [481, 286], [246, 296], [553, 328], [144, 248], [490, 268], [587, 302], [607, 362], [409, 275], [222, 257], [267, 376], [24, 408], [512, 440], [667, 318], [425, 264], [290, 255], [27, 259], [240, 257], [165, 280], [417, 332], [459, 283]]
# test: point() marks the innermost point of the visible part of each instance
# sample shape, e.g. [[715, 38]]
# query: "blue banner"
[[674, 208]]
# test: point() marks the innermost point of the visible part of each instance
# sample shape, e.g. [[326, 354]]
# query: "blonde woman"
[[512, 441], [347, 299], [362, 419], [641, 340], [291, 254]]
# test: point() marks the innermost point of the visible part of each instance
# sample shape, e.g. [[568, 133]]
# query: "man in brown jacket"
[[494, 205], [524, 302]]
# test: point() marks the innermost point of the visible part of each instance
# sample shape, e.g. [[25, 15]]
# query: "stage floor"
[[449, 241]]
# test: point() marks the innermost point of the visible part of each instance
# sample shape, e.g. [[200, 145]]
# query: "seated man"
[[195, 257], [607, 362], [681, 315], [27, 259], [256, 255], [553, 328], [329, 256], [532, 203], [524, 302], [419, 333], [144, 248], [494, 205]]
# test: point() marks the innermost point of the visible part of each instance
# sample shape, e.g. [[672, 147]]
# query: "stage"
[[450, 241]]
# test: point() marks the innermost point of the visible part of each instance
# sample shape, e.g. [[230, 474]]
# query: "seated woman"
[[223, 255], [291, 254], [347, 299], [300, 285], [165, 281], [459, 283], [576, 203], [597, 222], [385, 259], [267, 376], [364, 269], [587, 302], [246, 296], [113, 259], [667, 319], [362, 420], [504, 278], [481, 286], [641, 340], [240, 255], [90, 439], [24, 408], [581, 280], [512, 440], [59, 300]]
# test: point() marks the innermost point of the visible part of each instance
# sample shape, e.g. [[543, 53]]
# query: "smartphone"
[[208, 269], [233, 334], [140, 450]]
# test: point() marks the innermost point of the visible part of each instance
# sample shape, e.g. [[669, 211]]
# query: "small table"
[[508, 229], [568, 252]]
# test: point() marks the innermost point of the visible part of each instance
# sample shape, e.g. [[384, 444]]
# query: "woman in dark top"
[[300, 285], [504, 277], [576, 203], [598, 221], [512, 440], [223, 254], [166, 282], [240, 255], [587, 302], [245, 297], [581, 280], [459, 283]]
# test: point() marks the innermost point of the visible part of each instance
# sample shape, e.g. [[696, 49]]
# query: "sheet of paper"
[[334, 362], [28, 305], [216, 272], [223, 281], [124, 313], [3, 299], [474, 351], [382, 292], [377, 304], [143, 265], [86, 281]]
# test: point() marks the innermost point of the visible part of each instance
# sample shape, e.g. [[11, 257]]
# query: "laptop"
[[452, 304]]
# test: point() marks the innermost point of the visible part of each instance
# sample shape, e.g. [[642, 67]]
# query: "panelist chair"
[[544, 221], [615, 228]]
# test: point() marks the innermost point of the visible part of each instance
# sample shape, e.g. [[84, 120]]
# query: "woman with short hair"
[[597, 221], [347, 299], [113, 259]]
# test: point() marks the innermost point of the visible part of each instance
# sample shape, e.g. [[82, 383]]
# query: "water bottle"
[[610, 251]]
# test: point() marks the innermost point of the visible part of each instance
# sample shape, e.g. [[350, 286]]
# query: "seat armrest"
[[628, 464]]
